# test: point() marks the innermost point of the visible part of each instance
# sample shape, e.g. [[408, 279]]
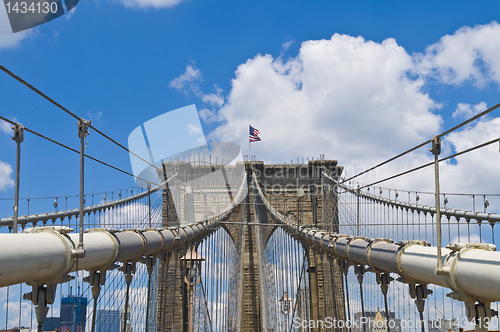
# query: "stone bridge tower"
[[298, 191]]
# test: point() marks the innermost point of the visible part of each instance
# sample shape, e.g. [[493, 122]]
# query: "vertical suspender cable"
[[224, 285], [217, 281], [18, 138], [346, 271], [325, 311], [212, 277], [20, 302], [161, 294], [176, 268], [82, 134], [148, 299], [128, 280], [275, 269], [315, 257], [334, 289], [7, 309]]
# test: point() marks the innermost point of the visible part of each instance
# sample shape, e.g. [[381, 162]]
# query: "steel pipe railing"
[[458, 214], [44, 255], [53, 216]]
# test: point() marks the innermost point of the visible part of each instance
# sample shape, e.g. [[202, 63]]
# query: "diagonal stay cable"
[[71, 149], [300, 282], [206, 305], [425, 143], [31, 87]]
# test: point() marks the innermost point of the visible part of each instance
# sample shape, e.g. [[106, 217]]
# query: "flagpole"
[[249, 147]]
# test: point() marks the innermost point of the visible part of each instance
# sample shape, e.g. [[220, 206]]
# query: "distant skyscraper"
[[73, 314], [128, 323], [107, 320], [51, 324]]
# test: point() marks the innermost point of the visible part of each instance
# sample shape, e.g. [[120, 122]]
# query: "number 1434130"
[[33, 8]]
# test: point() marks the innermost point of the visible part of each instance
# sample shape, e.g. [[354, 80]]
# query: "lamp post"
[[192, 277], [285, 301]]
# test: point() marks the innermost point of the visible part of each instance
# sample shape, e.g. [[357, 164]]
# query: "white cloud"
[[134, 215], [466, 111], [354, 101], [214, 99], [6, 128], [6, 169], [468, 54], [188, 81], [193, 130], [95, 116], [7, 38], [475, 170], [344, 97], [208, 115], [150, 3], [26, 316], [70, 13], [474, 238], [5, 176], [286, 45]]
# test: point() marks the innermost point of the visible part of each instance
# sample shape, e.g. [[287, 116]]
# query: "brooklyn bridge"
[[218, 243], [292, 247]]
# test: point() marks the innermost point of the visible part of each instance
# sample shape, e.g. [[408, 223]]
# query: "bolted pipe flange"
[[344, 266], [360, 271], [96, 279], [41, 296], [149, 261], [128, 269], [480, 313], [384, 279], [421, 293]]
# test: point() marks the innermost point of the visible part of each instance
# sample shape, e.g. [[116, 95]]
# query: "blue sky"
[[273, 64]]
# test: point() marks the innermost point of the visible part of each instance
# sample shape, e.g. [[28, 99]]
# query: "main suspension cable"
[[432, 163], [426, 142], [71, 149], [31, 87]]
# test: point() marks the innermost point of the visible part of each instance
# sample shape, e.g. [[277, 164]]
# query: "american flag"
[[254, 135]]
